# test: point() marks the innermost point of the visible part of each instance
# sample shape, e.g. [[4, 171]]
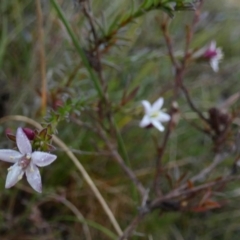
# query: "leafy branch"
[[121, 20]]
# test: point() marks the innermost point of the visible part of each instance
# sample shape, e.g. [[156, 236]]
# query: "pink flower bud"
[[29, 133], [57, 103], [210, 53]]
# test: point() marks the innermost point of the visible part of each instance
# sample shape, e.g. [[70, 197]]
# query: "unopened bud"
[[29, 133]]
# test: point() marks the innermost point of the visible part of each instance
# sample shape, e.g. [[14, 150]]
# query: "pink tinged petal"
[[147, 106], [10, 155], [145, 122], [157, 105], [158, 125], [34, 177], [212, 46], [163, 117], [42, 159], [15, 174], [23, 143]]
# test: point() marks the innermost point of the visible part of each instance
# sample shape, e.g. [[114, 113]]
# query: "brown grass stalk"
[[42, 58]]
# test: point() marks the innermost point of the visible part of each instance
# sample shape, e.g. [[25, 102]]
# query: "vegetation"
[[75, 72]]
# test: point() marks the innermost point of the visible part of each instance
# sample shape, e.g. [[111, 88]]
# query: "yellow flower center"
[[154, 114]]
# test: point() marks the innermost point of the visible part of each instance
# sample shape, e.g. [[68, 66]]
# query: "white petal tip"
[[39, 190], [158, 125]]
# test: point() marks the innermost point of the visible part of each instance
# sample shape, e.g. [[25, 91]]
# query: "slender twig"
[[122, 164], [216, 161], [189, 36], [190, 31], [109, 38], [88, 13], [42, 60], [180, 193], [179, 71], [168, 41], [112, 150], [109, 115], [97, 54], [79, 49], [192, 105], [77, 163], [72, 75], [206, 171], [157, 202], [194, 125], [128, 231], [161, 151]]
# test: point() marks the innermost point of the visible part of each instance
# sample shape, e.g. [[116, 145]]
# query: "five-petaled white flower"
[[214, 55], [25, 161], [154, 115]]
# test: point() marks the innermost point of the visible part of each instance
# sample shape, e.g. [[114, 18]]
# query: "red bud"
[[29, 133]]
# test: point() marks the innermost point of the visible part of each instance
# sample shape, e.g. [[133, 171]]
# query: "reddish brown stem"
[[42, 61]]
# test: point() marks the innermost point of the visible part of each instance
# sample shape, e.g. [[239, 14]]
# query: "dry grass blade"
[[42, 60]]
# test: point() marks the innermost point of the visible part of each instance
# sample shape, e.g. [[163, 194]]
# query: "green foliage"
[[135, 58]]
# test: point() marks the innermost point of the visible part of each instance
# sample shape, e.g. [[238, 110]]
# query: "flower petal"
[[9, 155], [23, 143], [212, 46], [214, 64], [157, 105], [220, 54], [145, 122], [158, 125], [42, 159], [34, 177], [14, 175], [147, 106], [163, 117]]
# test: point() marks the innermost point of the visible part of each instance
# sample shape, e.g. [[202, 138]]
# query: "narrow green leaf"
[[114, 23], [146, 4]]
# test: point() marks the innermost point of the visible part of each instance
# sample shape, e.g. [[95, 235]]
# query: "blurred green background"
[[138, 59]]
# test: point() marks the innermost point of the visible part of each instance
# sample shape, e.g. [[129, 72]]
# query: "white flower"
[[214, 55], [153, 115], [25, 161]]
